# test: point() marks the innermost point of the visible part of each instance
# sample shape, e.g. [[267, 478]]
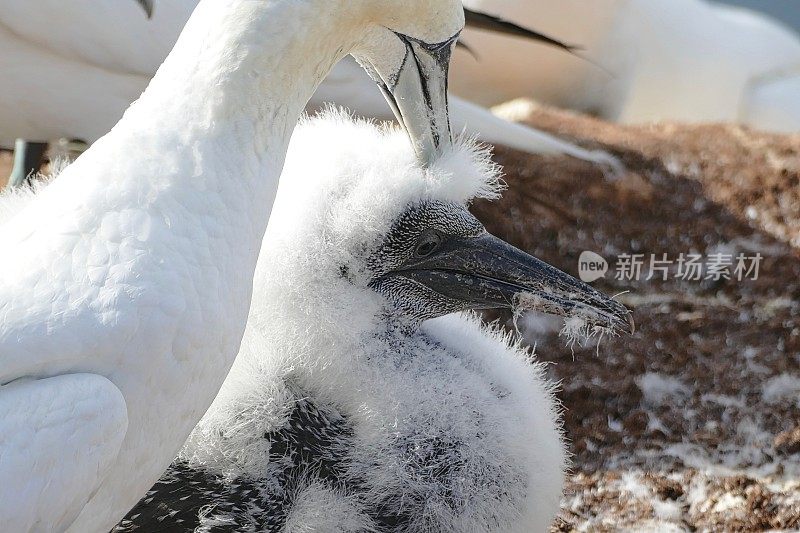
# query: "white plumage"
[[126, 283], [340, 416], [76, 79], [680, 60]]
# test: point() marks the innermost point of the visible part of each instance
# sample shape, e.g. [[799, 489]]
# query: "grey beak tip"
[[631, 324], [623, 319]]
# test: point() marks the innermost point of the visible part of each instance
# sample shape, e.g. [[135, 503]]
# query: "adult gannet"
[[345, 410], [679, 60], [126, 284], [77, 78]]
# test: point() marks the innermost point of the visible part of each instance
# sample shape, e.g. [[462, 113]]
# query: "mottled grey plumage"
[[312, 444]]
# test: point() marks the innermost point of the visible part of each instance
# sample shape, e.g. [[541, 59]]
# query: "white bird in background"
[[380, 421], [127, 282], [75, 78], [70, 69], [663, 60]]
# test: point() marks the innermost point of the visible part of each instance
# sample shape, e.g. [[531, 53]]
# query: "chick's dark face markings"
[[421, 232], [438, 259]]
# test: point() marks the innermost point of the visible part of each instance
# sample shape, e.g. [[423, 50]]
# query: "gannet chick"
[[348, 409]]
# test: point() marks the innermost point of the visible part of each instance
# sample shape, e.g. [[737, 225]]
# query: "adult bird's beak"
[[418, 95], [485, 272], [148, 6]]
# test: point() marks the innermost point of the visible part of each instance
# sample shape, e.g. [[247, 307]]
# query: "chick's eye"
[[427, 244]]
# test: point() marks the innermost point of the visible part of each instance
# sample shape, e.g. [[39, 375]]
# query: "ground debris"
[[691, 424]]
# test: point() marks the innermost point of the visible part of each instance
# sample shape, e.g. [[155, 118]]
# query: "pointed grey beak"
[[418, 95], [148, 6], [488, 273]]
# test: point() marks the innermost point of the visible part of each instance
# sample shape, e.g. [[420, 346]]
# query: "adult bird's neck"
[[254, 61], [226, 100], [210, 135]]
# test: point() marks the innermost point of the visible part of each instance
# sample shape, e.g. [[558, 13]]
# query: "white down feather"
[[455, 384]]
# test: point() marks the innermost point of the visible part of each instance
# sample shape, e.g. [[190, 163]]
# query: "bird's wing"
[[58, 437], [484, 21]]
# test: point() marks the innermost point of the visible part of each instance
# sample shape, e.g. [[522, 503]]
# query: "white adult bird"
[[343, 411], [75, 79], [126, 284], [680, 60]]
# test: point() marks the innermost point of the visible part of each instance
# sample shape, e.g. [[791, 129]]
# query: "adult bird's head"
[[406, 50], [363, 220]]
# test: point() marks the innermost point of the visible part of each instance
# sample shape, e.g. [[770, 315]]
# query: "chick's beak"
[[485, 272]]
